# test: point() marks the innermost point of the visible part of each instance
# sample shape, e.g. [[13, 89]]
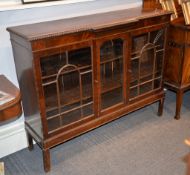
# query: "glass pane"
[[133, 92], [138, 43], [111, 69], [50, 99], [157, 38], [86, 78], [145, 88], [52, 63], [159, 62], [68, 89], [87, 109], [157, 83], [65, 119], [146, 78], [80, 57], [111, 98], [147, 63], [134, 72], [147, 66], [134, 83]]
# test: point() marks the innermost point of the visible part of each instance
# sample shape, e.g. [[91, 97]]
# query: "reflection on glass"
[[147, 60]]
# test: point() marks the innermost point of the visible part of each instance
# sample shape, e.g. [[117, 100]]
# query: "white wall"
[[12, 135]]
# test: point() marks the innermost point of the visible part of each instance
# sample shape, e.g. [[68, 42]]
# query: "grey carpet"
[[138, 144]]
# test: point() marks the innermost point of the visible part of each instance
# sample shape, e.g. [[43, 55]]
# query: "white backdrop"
[[12, 135]]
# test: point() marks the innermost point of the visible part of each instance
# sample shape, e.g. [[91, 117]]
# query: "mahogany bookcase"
[[80, 73]]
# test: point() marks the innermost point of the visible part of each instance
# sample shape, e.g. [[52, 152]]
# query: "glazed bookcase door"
[[111, 73], [146, 63], [67, 86]]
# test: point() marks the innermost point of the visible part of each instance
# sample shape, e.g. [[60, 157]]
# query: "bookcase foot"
[[179, 98], [161, 107], [30, 141], [46, 160]]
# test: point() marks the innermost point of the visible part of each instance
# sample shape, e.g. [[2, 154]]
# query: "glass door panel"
[[67, 85], [146, 63], [111, 73]]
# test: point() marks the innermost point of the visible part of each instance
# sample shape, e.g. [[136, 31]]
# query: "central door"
[[111, 73]]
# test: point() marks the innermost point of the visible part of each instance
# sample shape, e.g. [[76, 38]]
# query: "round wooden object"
[[10, 100]]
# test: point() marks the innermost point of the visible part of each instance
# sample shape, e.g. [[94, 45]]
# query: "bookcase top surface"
[[83, 23]]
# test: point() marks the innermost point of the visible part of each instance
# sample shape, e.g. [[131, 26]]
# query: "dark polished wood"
[[161, 107], [177, 60], [177, 72], [11, 109], [46, 160], [78, 74]]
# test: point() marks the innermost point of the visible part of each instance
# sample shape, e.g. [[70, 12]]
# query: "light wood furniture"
[[151, 5], [10, 105], [78, 74], [185, 5]]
